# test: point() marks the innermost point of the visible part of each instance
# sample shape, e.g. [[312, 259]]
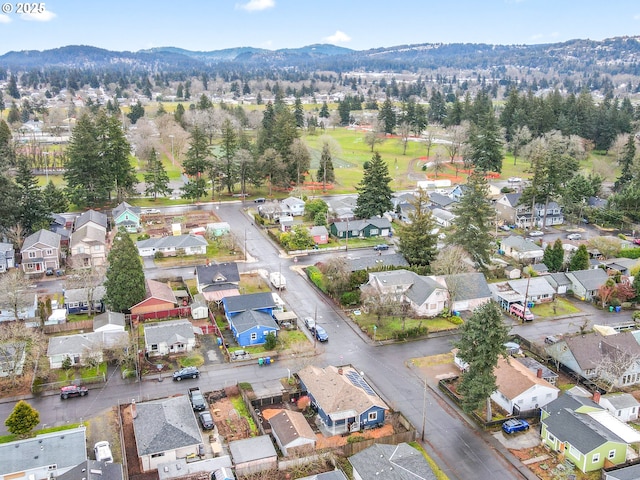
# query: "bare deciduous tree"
[[16, 295], [88, 279], [451, 260], [20, 347], [613, 364]]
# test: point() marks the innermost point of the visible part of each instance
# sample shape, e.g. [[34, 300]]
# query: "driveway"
[[148, 262]]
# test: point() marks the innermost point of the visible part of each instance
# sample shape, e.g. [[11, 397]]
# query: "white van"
[[103, 452]]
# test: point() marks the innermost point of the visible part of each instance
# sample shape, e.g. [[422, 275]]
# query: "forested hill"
[[611, 56]]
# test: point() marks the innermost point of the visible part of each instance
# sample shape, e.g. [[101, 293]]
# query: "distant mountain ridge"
[[615, 55]]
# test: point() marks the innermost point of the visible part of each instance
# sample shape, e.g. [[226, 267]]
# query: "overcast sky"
[[358, 24]]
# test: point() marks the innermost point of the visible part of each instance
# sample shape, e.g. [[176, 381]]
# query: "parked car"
[[206, 420], [150, 211], [103, 452], [380, 247], [574, 236], [320, 334], [515, 425], [73, 391], [551, 339], [636, 241], [505, 228], [49, 272], [310, 323], [186, 372], [260, 200], [536, 233]]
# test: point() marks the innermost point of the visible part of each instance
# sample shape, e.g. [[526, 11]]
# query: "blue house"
[[76, 300], [235, 305], [251, 327], [344, 400], [126, 216]]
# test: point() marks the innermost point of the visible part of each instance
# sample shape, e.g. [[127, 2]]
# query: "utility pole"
[[424, 407]]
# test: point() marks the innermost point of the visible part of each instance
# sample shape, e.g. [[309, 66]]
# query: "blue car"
[[321, 334], [515, 425]]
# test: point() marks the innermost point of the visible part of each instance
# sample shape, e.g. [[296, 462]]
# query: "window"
[[551, 438], [612, 454], [374, 231], [48, 252], [32, 254], [574, 452], [373, 416], [155, 455], [534, 399], [52, 467], [595, 458], [254, 336], [154, 346], [619, 412]]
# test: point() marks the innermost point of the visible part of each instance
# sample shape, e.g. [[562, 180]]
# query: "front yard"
[[394, 328]]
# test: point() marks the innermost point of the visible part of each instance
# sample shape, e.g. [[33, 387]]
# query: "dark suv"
[[380, 247], [186, 372], [73, 391]]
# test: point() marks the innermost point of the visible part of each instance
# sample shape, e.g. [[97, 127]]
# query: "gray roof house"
[[94, 470], [81, 346], [91, 216], [469, 290], [165, 430], [43, 455], [218, 280], [7, 257], [539, 369], [391, 462], [426, 296], [40, 250], [164, 338], [172, 245], [109, 322], [585, 283], [631, 472], [255, 454], [559, 281], [127, 217], [521, 249], [294, 206], [622, 405]]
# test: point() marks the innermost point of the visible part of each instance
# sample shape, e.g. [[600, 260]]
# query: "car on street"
[[515, 425], [636, 241], [320, 334], [514, 180], [73, 391], [260, 200], [186, 372], [574, 236], [150, 211], [505, 228], [310, 323], [380, 247], [206, 420], [536, 233]]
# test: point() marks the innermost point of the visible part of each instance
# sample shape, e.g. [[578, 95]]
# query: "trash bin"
[[267, 360], [260, 361], [219, 341], [611, 309], [618, 308]]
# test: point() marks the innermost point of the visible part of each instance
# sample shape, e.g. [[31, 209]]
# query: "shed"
[[286, 319], [293, 434], [199, 307], [255, 454]]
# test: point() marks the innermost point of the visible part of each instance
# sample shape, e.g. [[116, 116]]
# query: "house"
[[62, 224], [465, 291], [391, 462], [585, 283], [622, 405], [199, 307], [535, 289], [88, 247], [539, 369], [40, 250], [585, 433], [218, 280], [632, 472], [292, 433], [320, 234], [622, 265], [218, 229], [444, 218], [560, 282], [371, 262], [159, 298], [83, 346], [330, 475], [342, 208], [592, 355], [373, 227], [126, 216], [519, 389], [98, 219], [510, 211], [171, 337], [94, 470], [253, 301], [344, 400], [44, 456], [293, 206], [165, 430], [76, 300], [425, 295], [109, 322], [286, 223], [252, 455], [521, 249], [173, 245], [251, 327], [8, 257], [441, 201], [12, 358]]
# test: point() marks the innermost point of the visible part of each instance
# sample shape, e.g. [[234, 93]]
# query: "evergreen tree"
[[32, 214], [387, 116], [471, 228], [180, 91], [374, 192], [325, 170], [125, 285], [228, 148], [7, 152], [136, 113], [2, 104], [23, 419], [579, 259], [12, 87], [179, 113], [418, 240], [298, 113], [324, 111], [485, 146], [481, 344], [204, 103], [55, 200], [115, 151], [156, 179], [298, 161], [14, 113], [344, 111], [554, 256], [194, 189], [9, 198], [197, 160], [626, 164]]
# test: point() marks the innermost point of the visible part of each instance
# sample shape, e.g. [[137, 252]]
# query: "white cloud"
[[45, 16], [636, 17], [257, 5], [5, 19], [338, 37]]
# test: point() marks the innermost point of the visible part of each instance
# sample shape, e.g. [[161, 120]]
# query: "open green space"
[[559, 307]]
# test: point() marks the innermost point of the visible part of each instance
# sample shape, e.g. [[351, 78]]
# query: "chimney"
[[134, 412], [596, 396], [340, 371], [539, 373]]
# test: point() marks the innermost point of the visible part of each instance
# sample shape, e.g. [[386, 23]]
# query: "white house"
[[519, 389], [164, 338], [521, 249], [173, 245], [294, 206], [623, 406]]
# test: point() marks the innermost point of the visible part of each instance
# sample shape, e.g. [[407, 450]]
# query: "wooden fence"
[[85, 325], [173, 312]]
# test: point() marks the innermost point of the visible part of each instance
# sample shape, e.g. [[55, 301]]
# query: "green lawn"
[[562, 307], [391, 326]]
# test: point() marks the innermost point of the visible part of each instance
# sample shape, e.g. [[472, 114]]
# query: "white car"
[[574, 236], [150, 211], [514, 180], [103, 452], [536, 233]]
